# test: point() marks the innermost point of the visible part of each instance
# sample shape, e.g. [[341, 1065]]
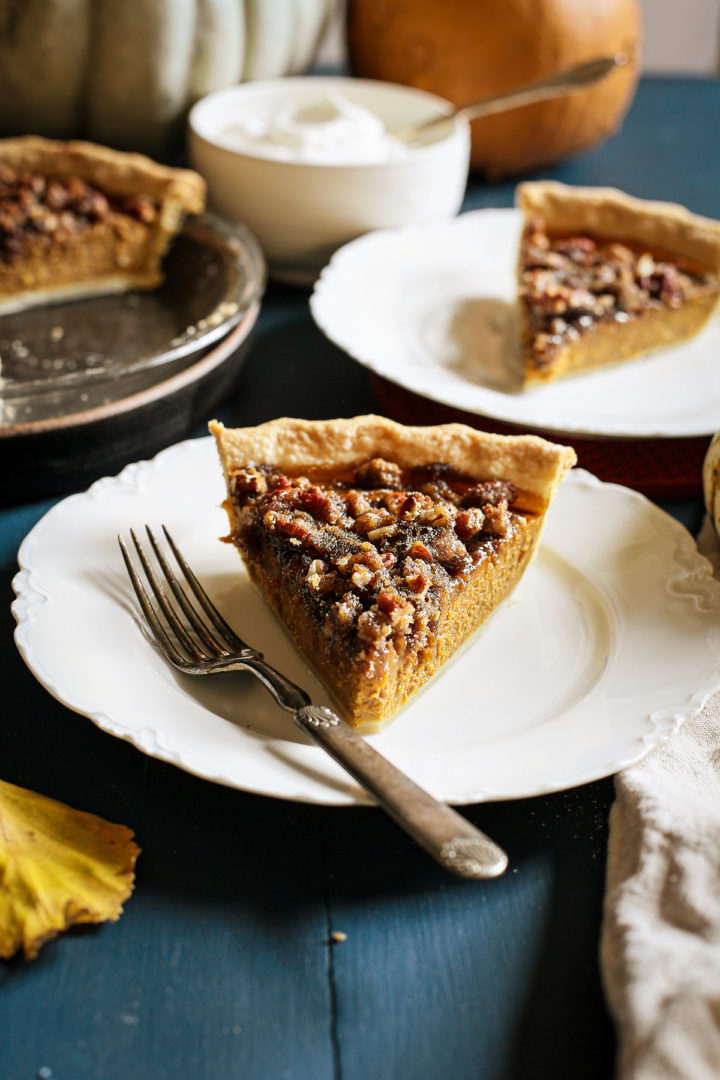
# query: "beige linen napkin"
[[660, 940]]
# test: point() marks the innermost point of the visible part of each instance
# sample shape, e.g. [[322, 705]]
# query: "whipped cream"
[[322, 130]]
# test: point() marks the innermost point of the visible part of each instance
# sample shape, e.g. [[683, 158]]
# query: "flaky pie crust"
[[610, 214], [115, 172], [534, 465]]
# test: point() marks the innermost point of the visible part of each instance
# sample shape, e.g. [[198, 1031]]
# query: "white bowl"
[[302, 210]]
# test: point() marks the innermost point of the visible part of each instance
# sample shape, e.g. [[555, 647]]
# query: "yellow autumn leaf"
[[58, 867]]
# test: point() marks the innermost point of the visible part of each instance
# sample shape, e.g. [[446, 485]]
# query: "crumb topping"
[[375, 555], [574, 282]]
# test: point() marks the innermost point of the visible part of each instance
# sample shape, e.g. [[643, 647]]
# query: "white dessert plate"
[[432, 309], [611, 639]]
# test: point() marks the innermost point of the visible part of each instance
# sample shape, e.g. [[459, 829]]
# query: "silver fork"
[[195, 638]]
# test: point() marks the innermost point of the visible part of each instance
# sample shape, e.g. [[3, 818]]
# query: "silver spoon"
[[564, 82]]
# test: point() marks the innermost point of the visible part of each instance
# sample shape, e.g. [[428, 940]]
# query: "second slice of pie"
[[382, 547], [77, 219], [604, 277]]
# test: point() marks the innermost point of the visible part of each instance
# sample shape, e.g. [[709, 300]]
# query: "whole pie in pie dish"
[[78, 219], [382, 547], [604, 277]]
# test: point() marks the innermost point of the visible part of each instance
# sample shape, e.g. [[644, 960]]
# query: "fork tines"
[[197, 631]]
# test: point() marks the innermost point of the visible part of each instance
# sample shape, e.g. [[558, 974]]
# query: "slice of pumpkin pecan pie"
[[383, 547], [604, 277], [78, 219]]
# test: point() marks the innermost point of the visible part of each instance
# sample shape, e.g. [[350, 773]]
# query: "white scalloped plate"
[[611, 639], [432, 308]]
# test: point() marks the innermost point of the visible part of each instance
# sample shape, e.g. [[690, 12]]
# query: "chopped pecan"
[[362, 576], [373, 626], [371, 520], [497, 520], [438, 516], [490, 492], [368, 556], [413, 505], [418, 550], [451, 552], [293, 526], [248, 482], [358, 502], [469, 522], [399, 611], [319, 580], [415, 576], [378, 473], [347, 610], [322, 504]]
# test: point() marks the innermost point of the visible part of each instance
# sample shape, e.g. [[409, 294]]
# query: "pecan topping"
[[372, 559], [31, 204]]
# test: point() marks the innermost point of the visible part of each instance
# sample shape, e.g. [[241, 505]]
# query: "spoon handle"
[[564, 82]]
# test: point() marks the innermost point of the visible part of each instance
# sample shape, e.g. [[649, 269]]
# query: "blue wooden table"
[[224, 966]]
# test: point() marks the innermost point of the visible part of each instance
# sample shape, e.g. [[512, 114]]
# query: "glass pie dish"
[[88, 385]]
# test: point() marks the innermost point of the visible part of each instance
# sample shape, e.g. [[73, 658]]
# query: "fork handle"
[[450, 838]]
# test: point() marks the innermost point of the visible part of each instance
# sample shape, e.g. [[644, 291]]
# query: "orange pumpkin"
[[464, 50]]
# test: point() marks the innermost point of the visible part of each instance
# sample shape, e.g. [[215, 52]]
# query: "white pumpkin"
[[126, 73]]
